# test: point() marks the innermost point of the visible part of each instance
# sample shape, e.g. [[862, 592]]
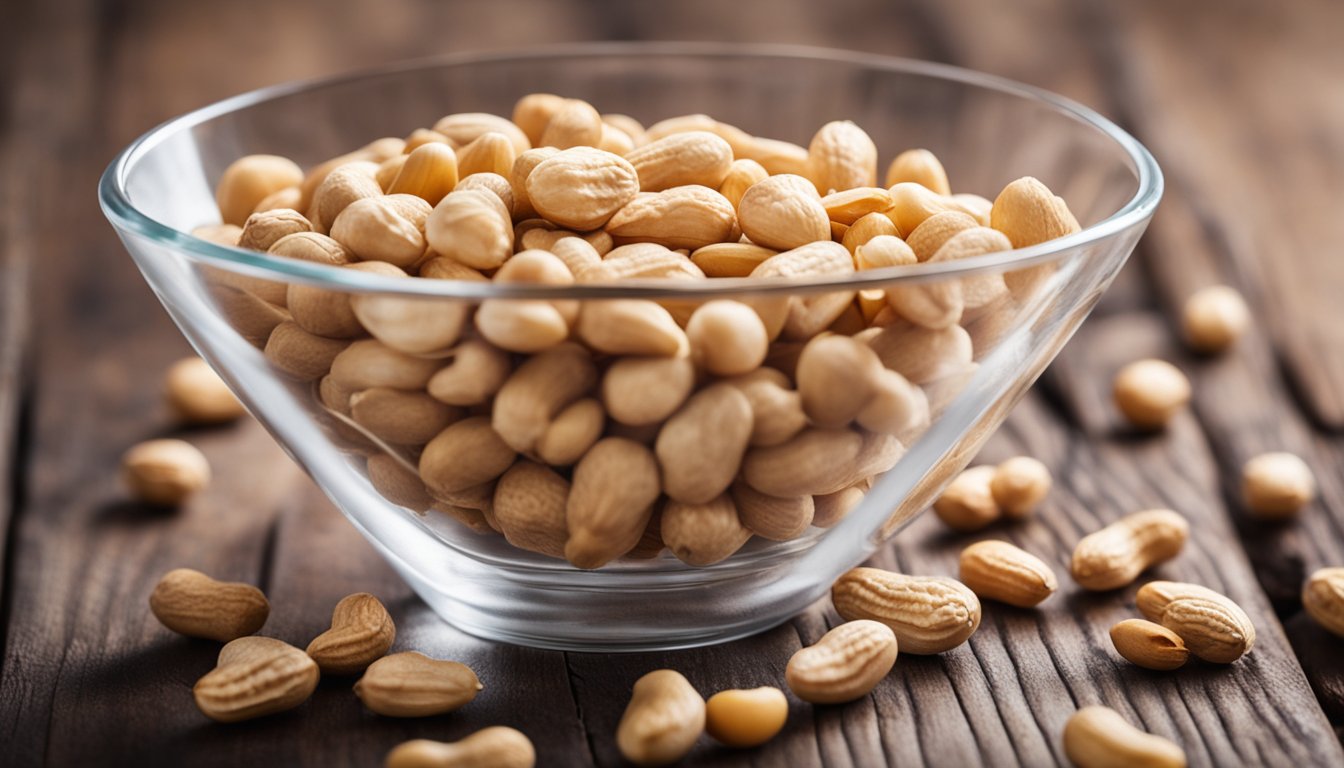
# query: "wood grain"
[[87, 677]]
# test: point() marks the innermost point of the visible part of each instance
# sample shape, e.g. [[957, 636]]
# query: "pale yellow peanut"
[[465, 454], [730, 259], [809, 315], [429, 173], [1323, 599], [255, 676], [388, 170], [912, 204], [689, 216], [493, 183], [397, 484], [578, 255], [190, 603], [845, 664], [343, 186], [997, 570], [615, 140], [812, 462], [495, 747], [528, 325], [727, 338], [831, 508], [581, 187], [422, 136], [289, 197], [1029, 213], [197, 395], [473, 372], [841, 156], [400, 417], [164, 472], [614, 487], [1019, 485], [783, 212], [309, 246], [331, 313], [646, 390], [300, 354], [867, 228], [933, 304], [518, 175], [896, 407], [836, 378], [1149, 393], [627, 125], [464, 127], [967, 504], [746, 718], [533, 112], [700, 447], [703, 533], [1276, 485], [1149, 645], [772, 517], [1114, 556], [539, 390], [929, 614], [361, 632], [923, 355], [664, 718], [1098, 737], [416, 326], [693, 157], [471, 227], [777, 410], [920, 166], [374, 152], [1213, 318], [442, 268], [982, 291], [572, 432], [630, 327], [976, 206], [742, 174], [644, 260], [262, 230], [491, 152], [1212, 626], [370, 363], [248, 180], [575, 124], [529, 505], [937, 229], [411, 684], [848, 206], [389, 228]]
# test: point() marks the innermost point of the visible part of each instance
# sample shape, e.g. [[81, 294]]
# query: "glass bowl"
[[988, 131]]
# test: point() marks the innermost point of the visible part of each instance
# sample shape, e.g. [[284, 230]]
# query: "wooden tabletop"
[[1241, 102]]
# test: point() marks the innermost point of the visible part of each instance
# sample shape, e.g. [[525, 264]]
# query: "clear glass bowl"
[[987, 131]]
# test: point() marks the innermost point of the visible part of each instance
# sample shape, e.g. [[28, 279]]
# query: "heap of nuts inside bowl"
[[606, 428]]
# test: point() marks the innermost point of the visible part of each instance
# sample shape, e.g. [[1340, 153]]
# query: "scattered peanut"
[[255, 676], [1149, 645], [845, 664], [411, 684], [495, 747], [929, 614], [1276, 485], [1323, 599], [361, 633], [997, 570], [664, 718], [967, 504], [1213, 627], [746, 718], [1150, 392], [198, 396], [165, 472], [1114, 556], [1214, 318], [1098, 737], [1018, 485], [193, 604]]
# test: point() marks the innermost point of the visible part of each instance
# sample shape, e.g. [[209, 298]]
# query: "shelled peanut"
[[604, 427]]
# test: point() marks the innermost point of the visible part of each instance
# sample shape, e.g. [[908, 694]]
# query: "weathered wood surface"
[[1240, 101]]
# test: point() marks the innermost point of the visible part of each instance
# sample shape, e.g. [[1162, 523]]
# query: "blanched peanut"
[[198, 396], [837, 376], [248, 180], [727, 338], [1150, 392], [746, 718], [1214, 318], [703, 533], [1276, 485], [1019, 484], [640, 391], [967, 504], [471, 227], [165, 472], [920, 166]]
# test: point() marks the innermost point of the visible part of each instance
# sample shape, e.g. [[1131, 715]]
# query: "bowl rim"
[[119, 209]]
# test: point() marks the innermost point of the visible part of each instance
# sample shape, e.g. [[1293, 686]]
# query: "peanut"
[[465, 454], [1276, 485], [190, 603], [841, 156], [689, 216], [845, 664], [411, 684], [967, 504], [746, 718], [692, 157], [1149, 645], [664, 718], [837, 376], [248, 180], [429, 173], [928, 614], [582, 187], [164, 472], [302, 355], [534, 111], [575, 124], [464, 127], [529, 505], [1323, 599], [1214, 318], [630, 327], [730, 259], [1098, 737], [1018, 486], [783, 212], [471, 227], [997, 570], [614, 487], [264, 229], [920, 166], [1114, 556], [742, 174], [495, 747], [866, 229], [255, 676], [475, 371], [1029, 213], [491, 152], [369, 363], [1213, 627], [361, 633], [777, 411], [1150, 392], [344, 185], [536, 393], [198, 395], [936, 230], [727, 338], [703, 533], [701, 446], [641, 391], [400, 417], [772, 517]]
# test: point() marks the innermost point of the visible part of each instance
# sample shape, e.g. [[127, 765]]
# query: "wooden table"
[[1242, 103]]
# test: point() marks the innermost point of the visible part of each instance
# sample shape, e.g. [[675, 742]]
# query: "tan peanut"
[[920, 166], [1115, 556], [777, 411], [289, 197], [831, 508], [572, 432], [1276, 485], [772, 517], [198, 395], [529, 505], [1323, 599], [664, 718], [1029, 213], [809, 315], [896, 406], [614, 487], [361, 632], [841, 156], [997, 570], [730, 259], [528, 325], [689, 216], [912, 204], [866, 229], [845, 664], [703, 533], [344, 185], [473, 373], [746, 718], [302, 355], [388, 228], [967, 503], [923, 355], [388, 170], [411, 684], [630, 327], [190, 603], [463, 128], [883, 251], [495, 747], [255, 676], [1098, 737], [701, 446], [581, 188], [691, 157], [1019, 485], [813, 462], [536, 393], [397, 484], [775, 156], [1149, 645], [929, 614], [783, 212], [491, 152], [329, 313], [742, 174], [164, 472], [727, 338], [837, 377], [646, 390], [518, 175], [534, 111], [848, 206], [1212, 626], [936, 230], [416, 326], [264, 229], [574, 124], [248, 180], [429, 173], [471, 227], [465, 454], [400, 417], [644, 260], [1150, 392], [369, 363], [1213, 318]]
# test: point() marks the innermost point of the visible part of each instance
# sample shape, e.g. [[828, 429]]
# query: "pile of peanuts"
[[599, 429]]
